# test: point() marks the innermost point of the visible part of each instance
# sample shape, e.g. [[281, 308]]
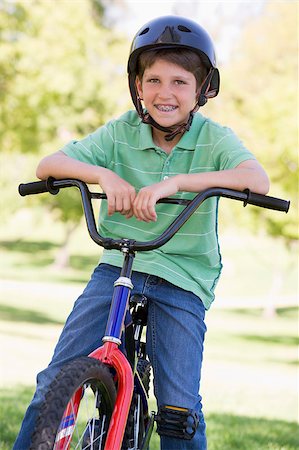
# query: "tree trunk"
[[62, 259], [275, 290]]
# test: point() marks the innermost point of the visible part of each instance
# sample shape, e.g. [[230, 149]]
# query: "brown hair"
[[185, 58]]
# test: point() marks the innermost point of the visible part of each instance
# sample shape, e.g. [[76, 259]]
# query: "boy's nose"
[[165, 92]]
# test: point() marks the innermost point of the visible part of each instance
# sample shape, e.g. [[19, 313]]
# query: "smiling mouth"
[[166, 108]]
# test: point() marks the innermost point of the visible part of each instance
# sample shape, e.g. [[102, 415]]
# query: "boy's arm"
[[247, 175], [120, 193], [59, 165]]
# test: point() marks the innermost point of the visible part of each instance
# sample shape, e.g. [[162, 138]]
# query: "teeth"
[[166, 107]]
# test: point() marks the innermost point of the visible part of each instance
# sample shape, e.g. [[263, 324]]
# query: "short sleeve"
[[95, 149], [228, 152]]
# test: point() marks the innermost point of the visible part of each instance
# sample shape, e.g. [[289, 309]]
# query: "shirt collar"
[[145, 137], [188, 140]]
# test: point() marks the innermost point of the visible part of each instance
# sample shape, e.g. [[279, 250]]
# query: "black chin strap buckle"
[[181, 128], [205, 92]]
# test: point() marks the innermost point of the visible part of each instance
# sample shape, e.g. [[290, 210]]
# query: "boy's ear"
[[138, 85]]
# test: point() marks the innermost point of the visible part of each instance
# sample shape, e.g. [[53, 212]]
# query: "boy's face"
[[168, 92]]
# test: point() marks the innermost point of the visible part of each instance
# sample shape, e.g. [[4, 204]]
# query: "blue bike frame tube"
[[122, 288]]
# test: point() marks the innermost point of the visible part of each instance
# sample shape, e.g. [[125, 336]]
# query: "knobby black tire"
[[144, 369], [83, 371]]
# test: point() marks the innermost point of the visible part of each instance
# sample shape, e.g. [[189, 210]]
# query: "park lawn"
[[249, 374], [256, 266], [224, 431], [249, 385]]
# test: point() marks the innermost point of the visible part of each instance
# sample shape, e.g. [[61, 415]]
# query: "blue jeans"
[[175, 336]]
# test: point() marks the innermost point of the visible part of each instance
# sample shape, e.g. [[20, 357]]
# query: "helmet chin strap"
[[180, 128], [171, 131]]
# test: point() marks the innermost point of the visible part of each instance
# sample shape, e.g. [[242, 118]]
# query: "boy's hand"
[[120, 193], [147, 197]]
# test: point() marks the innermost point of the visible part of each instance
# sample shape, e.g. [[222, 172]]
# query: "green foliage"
[[259, 94], [62, 74], [59, 76]]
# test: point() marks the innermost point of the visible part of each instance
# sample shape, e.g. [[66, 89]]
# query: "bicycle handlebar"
[[247, 197]]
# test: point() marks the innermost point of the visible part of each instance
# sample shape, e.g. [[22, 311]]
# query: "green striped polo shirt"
[[191, 259]]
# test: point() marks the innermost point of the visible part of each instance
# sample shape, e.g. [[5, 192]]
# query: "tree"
[[60, 78], [60, 73], [260, 95]]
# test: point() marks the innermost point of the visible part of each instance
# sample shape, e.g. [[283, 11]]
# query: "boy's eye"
[[156, 81]]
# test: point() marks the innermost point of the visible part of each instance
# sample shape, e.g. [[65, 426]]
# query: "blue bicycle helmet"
[[173, 32]]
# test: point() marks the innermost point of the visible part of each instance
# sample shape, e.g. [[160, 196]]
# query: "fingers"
[[121, 200], [127, 209], [120, 194], [122, 197], [127, 203], [144, 206]]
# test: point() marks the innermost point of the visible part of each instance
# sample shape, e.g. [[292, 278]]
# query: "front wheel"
[[84, 388]]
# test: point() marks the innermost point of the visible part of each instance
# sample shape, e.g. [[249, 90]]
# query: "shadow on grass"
[[41, 254], [288, 312], [12, 314], [34, 254], [224, 431], [84, 263], [274, 339], [28, 246], [230, 432]]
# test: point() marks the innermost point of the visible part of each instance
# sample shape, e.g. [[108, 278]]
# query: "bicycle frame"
[[109, 353]]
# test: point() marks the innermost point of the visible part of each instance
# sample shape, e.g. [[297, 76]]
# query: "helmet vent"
[[146, 30], [183, 28]]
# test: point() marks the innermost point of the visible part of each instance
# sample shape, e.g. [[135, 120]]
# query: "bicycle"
[[113, 381]]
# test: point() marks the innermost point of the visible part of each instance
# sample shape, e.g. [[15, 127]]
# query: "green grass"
[[233, 432], [249, 381], [249, 377], [224, 431], [255, 266], [32, 259], [13, 404]]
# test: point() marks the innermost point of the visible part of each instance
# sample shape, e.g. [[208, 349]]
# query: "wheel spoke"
[[136, 422], [102, 432]]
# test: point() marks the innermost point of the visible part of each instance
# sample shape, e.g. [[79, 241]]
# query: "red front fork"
[[109, 354]]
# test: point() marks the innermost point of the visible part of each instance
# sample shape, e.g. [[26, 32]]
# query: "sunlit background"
[[62, 75]]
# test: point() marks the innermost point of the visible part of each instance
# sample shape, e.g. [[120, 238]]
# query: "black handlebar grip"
[[37, 187], [266, 201]]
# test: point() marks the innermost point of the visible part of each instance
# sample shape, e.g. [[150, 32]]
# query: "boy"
[[164, 149]]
